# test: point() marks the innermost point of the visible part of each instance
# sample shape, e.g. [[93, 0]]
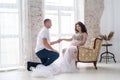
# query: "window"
[[62, 15], [9, 33]]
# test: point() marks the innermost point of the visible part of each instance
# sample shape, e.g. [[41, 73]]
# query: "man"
[[43, 49]]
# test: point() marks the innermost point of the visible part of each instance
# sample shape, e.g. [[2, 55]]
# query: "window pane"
[[9, 32], [7, 1], [52, 1], [67, 23], [9, 23], [67, 3], [8, 10], [9, 51], [62, 14], [54, 17], [60, 2]]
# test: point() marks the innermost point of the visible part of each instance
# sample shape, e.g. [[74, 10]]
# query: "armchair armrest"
[[85, 48]]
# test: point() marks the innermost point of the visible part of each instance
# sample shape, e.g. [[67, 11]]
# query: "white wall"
[[110, 21]]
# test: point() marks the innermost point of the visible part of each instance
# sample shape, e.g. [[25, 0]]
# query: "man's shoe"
[[28, 66]]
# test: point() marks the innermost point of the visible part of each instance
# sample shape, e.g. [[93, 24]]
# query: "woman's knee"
[[72, 48]]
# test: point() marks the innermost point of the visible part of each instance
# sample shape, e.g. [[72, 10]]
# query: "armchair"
[[89, 54]]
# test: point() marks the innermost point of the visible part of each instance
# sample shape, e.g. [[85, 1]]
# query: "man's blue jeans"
[[46, 56]]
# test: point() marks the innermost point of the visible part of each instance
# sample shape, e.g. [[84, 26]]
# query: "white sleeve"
[[44, 34]]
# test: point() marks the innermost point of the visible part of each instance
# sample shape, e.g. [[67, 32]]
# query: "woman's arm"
[[70, 39]]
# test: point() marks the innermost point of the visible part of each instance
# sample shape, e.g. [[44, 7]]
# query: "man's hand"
[[54, 42], [55, 51], [59, 40]]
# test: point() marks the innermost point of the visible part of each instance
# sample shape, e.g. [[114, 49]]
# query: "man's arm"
[[47, 45], [55, 42]]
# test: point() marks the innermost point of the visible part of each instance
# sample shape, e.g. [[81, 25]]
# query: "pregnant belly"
[[73, 42]]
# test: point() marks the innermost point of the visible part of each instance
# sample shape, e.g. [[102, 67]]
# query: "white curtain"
[[32, 22], [110, 21], [26, 35]]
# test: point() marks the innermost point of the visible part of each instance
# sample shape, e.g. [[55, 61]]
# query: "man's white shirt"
[[44, 33]]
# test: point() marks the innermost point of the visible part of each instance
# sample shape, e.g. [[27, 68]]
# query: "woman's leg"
[[70, 53], [69, 59]]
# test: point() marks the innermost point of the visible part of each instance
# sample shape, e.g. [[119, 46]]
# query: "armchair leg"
[[95, 62]]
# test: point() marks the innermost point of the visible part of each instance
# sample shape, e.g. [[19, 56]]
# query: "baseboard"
[[11, 68]]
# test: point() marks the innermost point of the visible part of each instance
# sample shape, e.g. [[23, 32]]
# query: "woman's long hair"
[[83, 27]]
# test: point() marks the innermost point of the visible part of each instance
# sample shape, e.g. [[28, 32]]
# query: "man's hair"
[[46, 20]]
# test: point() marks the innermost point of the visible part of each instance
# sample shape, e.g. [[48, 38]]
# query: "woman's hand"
[[70, 39], [77, 44], [59, 40]]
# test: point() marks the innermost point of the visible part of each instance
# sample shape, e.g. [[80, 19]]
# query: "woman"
[[80, 36], [64, 63]]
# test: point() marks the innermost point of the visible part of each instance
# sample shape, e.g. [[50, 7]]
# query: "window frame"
[[17, 6], [60, 14]]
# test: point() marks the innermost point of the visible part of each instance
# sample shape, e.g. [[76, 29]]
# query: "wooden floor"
[[110, 71]]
